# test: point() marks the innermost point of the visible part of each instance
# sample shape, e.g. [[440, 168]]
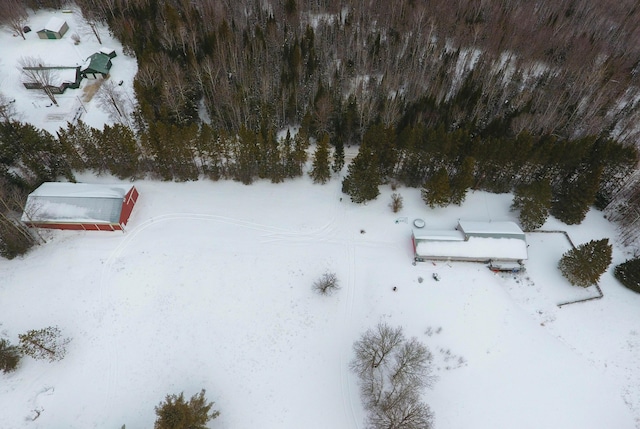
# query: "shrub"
[[327, 284], [396, 202], [9, 356], [176, 413], [46, 343], [584, 265], [628, 273]]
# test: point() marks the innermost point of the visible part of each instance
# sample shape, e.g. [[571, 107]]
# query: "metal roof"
[[98, 62], [55, 24], [55, 202]]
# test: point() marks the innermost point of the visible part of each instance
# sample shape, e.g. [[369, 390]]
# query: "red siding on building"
[[77, 226], [127, 205], [128, 202]]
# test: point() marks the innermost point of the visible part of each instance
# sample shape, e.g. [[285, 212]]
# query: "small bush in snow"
[[9, 356], [327, 284], [176, 413], [46, 343], [396, 202]]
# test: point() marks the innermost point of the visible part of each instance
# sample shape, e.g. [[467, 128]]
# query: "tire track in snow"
[[346, 347], [112, 348]]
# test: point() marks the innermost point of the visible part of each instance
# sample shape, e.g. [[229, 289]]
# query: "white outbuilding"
[[502, 244]]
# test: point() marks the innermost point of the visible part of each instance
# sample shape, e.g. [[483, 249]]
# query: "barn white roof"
[[56, 202], [55, 24], [475, 248], [497, 228]]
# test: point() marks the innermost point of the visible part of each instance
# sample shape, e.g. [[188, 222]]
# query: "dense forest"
[[438, 94]]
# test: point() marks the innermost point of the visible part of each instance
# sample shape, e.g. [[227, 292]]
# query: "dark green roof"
[[99, 63]]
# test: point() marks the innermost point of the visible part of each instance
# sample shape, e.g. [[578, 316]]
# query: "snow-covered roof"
[[106, 51], [475, 249], [440, 235], [503, 229], [67, 75], [55, 24], [56, 202]]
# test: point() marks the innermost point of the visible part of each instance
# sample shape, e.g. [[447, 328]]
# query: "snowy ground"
[[34, 106], [210, 287]]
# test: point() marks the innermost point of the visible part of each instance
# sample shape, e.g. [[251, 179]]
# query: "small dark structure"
[[59, 79], [26, 29], [96, 65], [111, 53], [55, 29]]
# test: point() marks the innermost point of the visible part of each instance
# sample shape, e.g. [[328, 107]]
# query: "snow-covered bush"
[[327, 284], [396, 202], [9, 356]]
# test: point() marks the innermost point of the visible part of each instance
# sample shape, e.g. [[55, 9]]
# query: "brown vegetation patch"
[[91, 89]]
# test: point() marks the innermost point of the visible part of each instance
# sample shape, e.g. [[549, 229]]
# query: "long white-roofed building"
[[500, 243], [80, 206]]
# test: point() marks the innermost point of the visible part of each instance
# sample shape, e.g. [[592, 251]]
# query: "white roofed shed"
[[472, 241]]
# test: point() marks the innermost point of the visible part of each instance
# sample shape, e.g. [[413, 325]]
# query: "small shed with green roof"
[[97, 64]]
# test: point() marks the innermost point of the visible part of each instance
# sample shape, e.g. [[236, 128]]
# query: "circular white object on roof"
[[419, 223]]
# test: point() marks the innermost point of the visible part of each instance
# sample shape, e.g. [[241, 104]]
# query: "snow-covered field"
[[210, 287]]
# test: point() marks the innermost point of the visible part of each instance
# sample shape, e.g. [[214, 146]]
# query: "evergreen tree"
[[338, 155], [628, 273], [380, 140], [363, 178], [462, 180], [320, 170], [534, 202], [176, 413], [575, 197], [584, 265], [121, 150], [246, 156], [436, 190], [301, 144]]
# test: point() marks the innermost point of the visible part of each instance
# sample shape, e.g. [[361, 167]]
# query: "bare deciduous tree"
[[113, 100], [33, 68], [14, 15], [392, 373], [7, 108], [327, 284]]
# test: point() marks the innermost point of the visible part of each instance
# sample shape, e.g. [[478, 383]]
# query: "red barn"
[[80, 206]]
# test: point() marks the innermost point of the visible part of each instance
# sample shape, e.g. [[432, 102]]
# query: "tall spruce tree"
[[584, 265], [575, 196], [436, 191], [534, 203], [338, 155], [363, 178], [462, 180], [320, 170]]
